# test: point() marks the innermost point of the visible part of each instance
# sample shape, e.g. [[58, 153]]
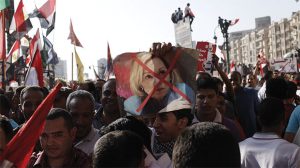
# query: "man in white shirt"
[[81, 105], [267, 148]]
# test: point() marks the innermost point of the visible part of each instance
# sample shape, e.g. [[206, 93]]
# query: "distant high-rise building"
[[61, 69], [101, 66], [273, 40], [238, 34], [262, 22], [85, 76]]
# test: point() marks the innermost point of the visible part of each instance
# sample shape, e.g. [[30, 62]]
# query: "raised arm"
[[229, 88]]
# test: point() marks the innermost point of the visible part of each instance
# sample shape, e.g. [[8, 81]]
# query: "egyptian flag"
[[263, 67], [13, 68], [20, 24], [14, 52], [46, 15], [232, 66], [48, 12], [233, 22], [18, 151], [35, 72], [35, 44], [73, 37], [11, 58], [109, 65]]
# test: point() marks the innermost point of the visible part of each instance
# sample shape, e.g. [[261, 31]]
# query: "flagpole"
[[72, 66], [4, 49], [30, 65]]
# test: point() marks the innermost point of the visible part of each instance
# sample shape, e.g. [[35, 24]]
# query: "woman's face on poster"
[[149, 80]]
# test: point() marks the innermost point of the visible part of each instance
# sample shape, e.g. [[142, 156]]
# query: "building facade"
[[61, 69], [273, 40]]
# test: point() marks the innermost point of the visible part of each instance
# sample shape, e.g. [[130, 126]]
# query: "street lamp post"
[[224, 24]]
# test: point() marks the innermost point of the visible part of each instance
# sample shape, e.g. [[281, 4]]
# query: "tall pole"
[[227, 53], [224, 24], [72, 66]]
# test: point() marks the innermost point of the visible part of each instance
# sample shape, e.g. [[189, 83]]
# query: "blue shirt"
[[246, 103], [294, 121]]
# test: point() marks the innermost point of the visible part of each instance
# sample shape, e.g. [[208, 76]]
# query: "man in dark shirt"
[[57, 142], [110, 110], [207, 100]]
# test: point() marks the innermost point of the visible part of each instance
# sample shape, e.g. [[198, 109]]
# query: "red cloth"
[[38, 65], [19, 149], [19, 18], [72, 36], [109, 65], [2, 37], [48, 8]]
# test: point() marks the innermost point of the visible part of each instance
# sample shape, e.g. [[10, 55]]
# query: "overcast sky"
[[133, 25]]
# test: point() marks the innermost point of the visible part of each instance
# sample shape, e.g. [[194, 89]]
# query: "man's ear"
[[183, 122]]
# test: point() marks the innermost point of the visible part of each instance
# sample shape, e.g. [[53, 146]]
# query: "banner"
[[288, 65], [206, 50], [148, 83]]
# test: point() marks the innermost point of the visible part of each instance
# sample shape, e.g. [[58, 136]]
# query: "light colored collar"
[[218, 118], [265, 136], [90, 136]]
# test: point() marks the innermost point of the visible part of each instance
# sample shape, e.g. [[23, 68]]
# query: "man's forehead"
[[55, 125], [165, 114], [80, 100]]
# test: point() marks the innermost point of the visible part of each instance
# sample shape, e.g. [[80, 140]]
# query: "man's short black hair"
[[132, 124], [207, 83], [56, 113], [110, 80], [184, 113], [63, 93], [206, 144], [218, 80], [276, 87], [31, 88], [81, 94], [271, 112], [118, 149], [268, 75]]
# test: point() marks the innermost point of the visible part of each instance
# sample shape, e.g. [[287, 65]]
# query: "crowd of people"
[[227, 121]]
